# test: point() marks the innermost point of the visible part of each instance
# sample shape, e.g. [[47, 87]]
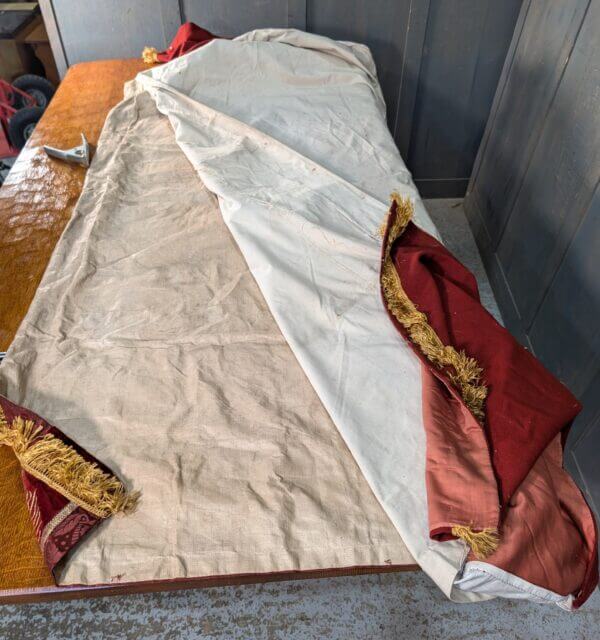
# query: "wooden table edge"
[[48, 594]]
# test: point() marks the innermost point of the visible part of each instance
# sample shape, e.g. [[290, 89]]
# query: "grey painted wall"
[[438, 60], [534, 203]]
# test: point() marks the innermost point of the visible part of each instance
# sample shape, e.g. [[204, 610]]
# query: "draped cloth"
[[460, 453], [189, 37], [502, 450], [495, 420], [149, 344]]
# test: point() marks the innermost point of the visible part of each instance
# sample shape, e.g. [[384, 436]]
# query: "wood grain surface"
[[36, 202], [38, 197]]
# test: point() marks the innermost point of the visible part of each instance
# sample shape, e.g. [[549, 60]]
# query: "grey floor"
[[403, 606]]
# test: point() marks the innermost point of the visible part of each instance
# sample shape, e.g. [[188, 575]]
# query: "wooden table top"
[[36, 202], [38, 197]]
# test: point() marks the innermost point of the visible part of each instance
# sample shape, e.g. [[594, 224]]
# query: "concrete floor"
[[452, 224], [403, 606], [387, 607]]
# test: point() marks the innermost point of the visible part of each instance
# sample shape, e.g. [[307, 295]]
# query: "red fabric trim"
[[189, 36], [45, 504], [526, 405], [442, 534]]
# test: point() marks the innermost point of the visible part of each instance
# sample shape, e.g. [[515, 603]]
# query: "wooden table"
[[36, 202], [39, 194]]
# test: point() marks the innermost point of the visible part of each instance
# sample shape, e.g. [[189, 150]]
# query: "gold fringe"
[[482, 543], [58, 465], [383, 225], [465, 373], [150, 55]]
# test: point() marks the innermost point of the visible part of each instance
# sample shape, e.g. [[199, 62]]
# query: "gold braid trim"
[[464, 372], [150, 55], [58, 465]]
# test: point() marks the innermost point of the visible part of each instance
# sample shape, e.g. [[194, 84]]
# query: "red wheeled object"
[[21, 106]]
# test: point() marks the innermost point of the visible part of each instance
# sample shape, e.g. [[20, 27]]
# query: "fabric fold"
[[301, 162], [67, 491], [150, 345], [494, 459]]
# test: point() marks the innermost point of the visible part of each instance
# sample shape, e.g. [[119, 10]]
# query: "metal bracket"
[[77, 155]]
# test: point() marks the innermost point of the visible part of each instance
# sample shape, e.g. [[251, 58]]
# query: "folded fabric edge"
[[486, 579], [189, 36], [475, 577], [464, 372], [56, 463], [66, 491]]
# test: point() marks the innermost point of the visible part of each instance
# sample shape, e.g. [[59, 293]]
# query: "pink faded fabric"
[[461, 487], [547, 530], [548, 533]]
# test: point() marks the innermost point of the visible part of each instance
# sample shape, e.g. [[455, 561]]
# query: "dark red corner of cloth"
[[189, 36], [58, 523], [526, 406]]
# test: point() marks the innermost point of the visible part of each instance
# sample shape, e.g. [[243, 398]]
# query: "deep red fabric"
[[57, 531], [189, 36], [526, 407]]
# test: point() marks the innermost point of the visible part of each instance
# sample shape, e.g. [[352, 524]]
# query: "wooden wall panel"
[[438, 74], [566, 330], [380, 24], [461, 62], [561, 177], [438, 60], [583, 445], [232, 17], [92, 30], [543, 49], [534, 202]]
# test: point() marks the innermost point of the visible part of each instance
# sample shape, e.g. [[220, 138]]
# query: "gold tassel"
[[62, 468], [150, 55], [466, 373], [482, 543]]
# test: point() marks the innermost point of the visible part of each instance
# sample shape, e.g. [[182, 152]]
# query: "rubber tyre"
[[40, 88], [22, 123]]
